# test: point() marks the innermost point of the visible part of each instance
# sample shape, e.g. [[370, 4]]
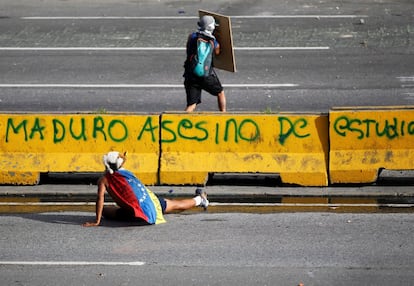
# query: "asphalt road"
[[127, 56], [122, 56], [209, 249]]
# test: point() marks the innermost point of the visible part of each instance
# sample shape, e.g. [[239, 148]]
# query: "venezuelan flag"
[[129, 193]]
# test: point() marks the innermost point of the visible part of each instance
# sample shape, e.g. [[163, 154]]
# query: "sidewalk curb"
[[244, 199], [223, 192]]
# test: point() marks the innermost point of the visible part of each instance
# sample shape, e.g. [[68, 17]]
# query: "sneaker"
[[204, 200]]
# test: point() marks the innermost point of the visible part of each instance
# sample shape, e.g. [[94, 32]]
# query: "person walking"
[[194, 82]]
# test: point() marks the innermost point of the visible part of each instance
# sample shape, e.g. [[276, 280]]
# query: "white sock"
[[197, 200]]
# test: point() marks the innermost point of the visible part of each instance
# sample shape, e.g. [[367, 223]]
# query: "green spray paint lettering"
[[77, 128], [82, 134], [16, 129], [148, 127], [164, 127], [289, 127], [37, 128], [186, 125], [185, 130], [117, 124], [239, 131], [98, 126], [367, 128], [252, 136], [59, 131], [197, 131]]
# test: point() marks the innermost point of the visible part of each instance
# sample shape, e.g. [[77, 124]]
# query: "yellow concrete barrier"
[[36, 143], [293, 145], [364, 140]]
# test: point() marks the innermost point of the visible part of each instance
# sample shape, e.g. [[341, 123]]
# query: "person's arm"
[[100, 198], [216, 47]]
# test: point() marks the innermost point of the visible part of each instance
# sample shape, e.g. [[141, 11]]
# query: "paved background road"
[[209, 249], [128, 56]]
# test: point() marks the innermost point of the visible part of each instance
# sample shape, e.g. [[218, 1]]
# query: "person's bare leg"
[[179, 205], [221, 98], [191, 107]]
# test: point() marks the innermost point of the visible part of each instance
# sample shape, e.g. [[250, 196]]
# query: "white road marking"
[[261, 85], [312, 205], [92, 49], [154, 49], [406, 78], [29, 85], [279, 48], [73, 263], [51, 204], [298, 16], [191, 17]]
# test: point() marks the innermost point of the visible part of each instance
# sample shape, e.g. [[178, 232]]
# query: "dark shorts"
[[123, 214], [194, 86], [163, 204]]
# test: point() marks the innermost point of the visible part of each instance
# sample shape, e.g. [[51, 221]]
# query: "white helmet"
[[207, 23], [113, 161]]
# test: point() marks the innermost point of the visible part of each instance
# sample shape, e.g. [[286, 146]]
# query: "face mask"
[[210, 28]]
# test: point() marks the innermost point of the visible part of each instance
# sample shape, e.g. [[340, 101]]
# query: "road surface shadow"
[[75, 219]]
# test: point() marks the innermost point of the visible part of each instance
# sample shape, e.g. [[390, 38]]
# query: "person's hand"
[[217, 50], [88, 224]]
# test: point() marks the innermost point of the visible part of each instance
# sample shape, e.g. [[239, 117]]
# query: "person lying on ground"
[[135, 202]]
